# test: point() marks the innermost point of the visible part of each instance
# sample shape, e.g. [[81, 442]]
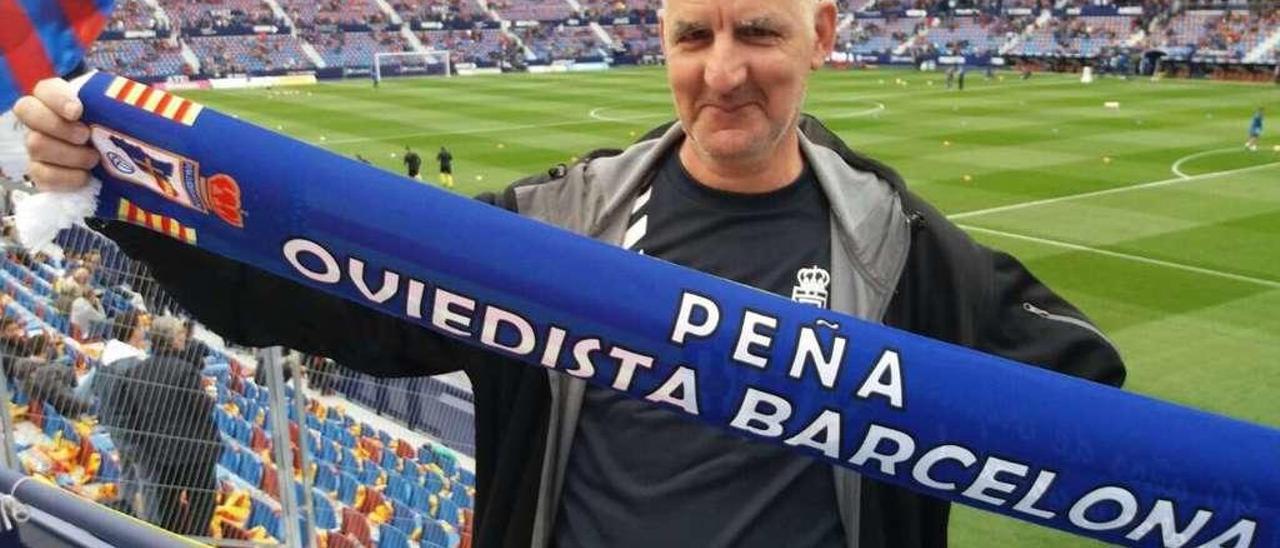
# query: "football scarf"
[[940, 419]]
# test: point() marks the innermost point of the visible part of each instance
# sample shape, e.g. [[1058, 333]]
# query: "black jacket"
[[952, 289], [157, 411]]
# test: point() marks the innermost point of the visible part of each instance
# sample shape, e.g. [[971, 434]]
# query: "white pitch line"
[[1176, 168], [1117, 190], [595, 114], [1271, 284]]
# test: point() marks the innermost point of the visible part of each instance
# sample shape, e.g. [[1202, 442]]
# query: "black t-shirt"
[[413, 162], [446, 161], [643, 476]]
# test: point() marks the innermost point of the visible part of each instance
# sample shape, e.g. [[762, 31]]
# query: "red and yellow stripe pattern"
[[154, 101], [133, 214]]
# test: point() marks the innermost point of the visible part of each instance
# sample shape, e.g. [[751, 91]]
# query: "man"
[[1255, 131], [161, 419], [87, 312], [742, 186], [446, 167], [412, 163]]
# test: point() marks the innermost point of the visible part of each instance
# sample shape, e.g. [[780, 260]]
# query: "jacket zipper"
[[1066, 319]]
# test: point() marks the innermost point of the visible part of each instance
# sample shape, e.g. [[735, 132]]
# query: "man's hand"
[[57, 143]]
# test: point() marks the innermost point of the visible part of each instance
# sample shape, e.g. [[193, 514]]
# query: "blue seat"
[[467, 477], [391, 537], [390, 461], [461, 497], [261, 514], [410, 471], [347, 488], [328, 451], [398, 488], [420, 499], [405, 518], [434, 533], [326, 477], [251, 468], [326, 518], [314, 422], [369, 474], [448, 512], [230, 459], [350, 462], [331, 430], [434, 482]]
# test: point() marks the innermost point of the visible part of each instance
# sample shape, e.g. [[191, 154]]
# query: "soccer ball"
[[1106, 159], [501, 145], [1276, 148], [968, 178], [946, 143]]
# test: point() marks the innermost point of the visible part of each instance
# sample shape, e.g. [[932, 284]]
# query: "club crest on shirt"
[[168, 174], [811, 286]]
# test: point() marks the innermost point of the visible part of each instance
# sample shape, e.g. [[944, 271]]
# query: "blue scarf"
[[936, 418]]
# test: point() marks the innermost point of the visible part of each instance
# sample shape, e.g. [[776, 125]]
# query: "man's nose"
[[726, 68]]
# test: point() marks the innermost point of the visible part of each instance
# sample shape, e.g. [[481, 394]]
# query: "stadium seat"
[[328, 450], [433, 532], [434, 482], [390, 462], [325, 517], [405, 518], [398, 488], [448, 512], [391, 537], [262, 515], [250, 468], [342, 540], [411, 472], [270, 481], [461, 497], [466, 477], [357, 525], [369, 475], [420, 499], [326, 477], [347, 487]]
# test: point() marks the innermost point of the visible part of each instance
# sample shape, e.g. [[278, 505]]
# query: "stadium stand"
[[347, 34], [309, 13], [637, 39], [467, 46], [562, 42], [369, 485], [243, 55], [149, 57], [1080, 36], [536, 10], [219, 14], [443, 11]]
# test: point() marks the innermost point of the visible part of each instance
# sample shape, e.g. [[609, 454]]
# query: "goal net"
[[411, 63]]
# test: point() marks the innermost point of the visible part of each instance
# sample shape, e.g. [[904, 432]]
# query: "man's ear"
[[824, 26]]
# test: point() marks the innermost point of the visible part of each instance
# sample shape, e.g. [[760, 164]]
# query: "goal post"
[[412, 63]]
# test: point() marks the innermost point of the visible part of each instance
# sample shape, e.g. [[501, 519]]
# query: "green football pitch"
[[1151, 216]]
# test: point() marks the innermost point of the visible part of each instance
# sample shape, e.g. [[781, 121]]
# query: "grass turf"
[[1183, 273]]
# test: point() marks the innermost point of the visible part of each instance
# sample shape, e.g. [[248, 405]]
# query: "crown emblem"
[[811, 286]]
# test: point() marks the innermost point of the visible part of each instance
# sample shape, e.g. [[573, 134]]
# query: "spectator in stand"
[[87, 312]]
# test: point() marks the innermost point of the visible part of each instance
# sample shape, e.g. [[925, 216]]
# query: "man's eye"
[[693, 36], [757, 32]]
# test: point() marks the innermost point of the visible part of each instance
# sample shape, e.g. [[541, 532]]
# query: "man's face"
[[13, 331], [738, 69]]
